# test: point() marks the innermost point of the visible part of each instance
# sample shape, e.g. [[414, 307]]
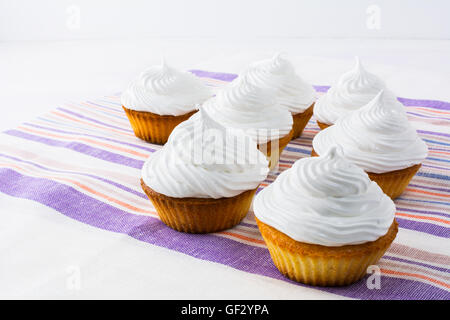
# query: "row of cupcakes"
[[324, 211], [269, 100], [323, 220], [273, 105]]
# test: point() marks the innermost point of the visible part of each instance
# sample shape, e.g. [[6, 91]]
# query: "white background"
[[49, 55], [54, 51], [47, 19]]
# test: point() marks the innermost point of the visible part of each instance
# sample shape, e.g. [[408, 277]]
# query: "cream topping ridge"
[[326, 201], [165, 90], [203, 159], [377, 137]]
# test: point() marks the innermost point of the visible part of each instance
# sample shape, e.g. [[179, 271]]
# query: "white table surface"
[[40, 248]]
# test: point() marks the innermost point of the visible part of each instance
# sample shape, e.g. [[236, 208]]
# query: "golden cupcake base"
[[393, 183], [200, 215], [300, 121], [322, 125], [274, 157], [321, 265], [153, 127]]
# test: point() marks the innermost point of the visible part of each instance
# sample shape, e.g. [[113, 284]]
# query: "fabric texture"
[[99, 184]]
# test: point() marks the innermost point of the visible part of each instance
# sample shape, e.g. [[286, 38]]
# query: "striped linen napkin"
[[84, 161]]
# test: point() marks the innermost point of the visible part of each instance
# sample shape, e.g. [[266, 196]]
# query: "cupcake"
[[161, 98], [380, 140], [352, 90], [244, 106], [204, 178], [292, 91], [324, 221]]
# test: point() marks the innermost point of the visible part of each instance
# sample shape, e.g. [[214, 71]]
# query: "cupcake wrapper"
[[153, 127], [395, 182], [322, 125], [392, 183], [301, 120], [324, 266], [274, 157], [200, 215]]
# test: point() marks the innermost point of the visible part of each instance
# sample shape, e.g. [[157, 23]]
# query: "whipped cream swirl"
[[292, 91], [352, 90], [242, 105], [202, 159], [378, 137], [326, 201], [165, 91]]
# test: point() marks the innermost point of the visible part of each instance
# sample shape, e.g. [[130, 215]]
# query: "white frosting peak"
[[165, 90], [242, 105], [203, 159], [352, 90], [278, 73], [327, 201], [377, 137]]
